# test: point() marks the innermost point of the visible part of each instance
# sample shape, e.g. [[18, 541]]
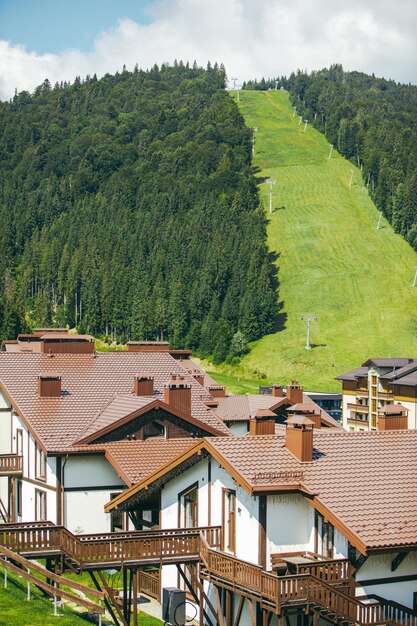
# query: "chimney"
[[49, 385], [217, 391], [306, 409], [199, 377], [263, 423], [143, 385], [299, 437], [393, 417], [295, 392], [277, 391], [177, 393]]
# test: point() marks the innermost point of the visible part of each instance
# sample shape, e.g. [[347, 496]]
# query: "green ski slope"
[[332, 261]]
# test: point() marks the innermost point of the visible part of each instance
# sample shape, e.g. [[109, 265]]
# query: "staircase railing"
[[4, 514], [270, 589]]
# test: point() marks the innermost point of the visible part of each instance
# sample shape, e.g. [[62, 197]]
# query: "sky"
[[62, 39]]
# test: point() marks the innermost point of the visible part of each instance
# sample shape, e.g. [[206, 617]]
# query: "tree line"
[[129, 209]]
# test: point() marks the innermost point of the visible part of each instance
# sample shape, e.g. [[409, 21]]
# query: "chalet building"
[[238, 411], [381, 394], [75, 424], [302, 530]]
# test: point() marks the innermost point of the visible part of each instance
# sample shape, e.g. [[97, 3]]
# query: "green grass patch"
[[331, 259], [15, 609]]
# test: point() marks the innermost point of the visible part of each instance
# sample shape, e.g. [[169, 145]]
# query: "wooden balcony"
[[362, 393], [90, 551], [11, 465], [276, 593], [357, 407], [333, 571], [385, 395]]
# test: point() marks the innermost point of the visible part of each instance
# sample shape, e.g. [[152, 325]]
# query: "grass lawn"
[[331, 260], [15, 610]]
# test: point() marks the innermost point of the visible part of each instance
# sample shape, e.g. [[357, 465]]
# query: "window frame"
[[41, 502]]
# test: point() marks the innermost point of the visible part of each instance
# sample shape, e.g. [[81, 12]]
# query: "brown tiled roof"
[[367, 480], [304, 407], [89, 384], [364, 482], [357, 372], [394, 409], [191, 366], [134, 460], [242, 408], [300, 420]]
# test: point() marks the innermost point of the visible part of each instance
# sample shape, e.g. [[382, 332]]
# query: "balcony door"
[[188, 507], [229, 520]]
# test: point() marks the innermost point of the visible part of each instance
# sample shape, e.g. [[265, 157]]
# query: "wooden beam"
[[239, 611], [252, 612], [200, 587], [396, 562], [106, 599], [135, 597], [220, 618], [110, 595]]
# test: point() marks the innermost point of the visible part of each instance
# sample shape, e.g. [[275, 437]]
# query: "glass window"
[[40, 464], [40, 505], [189, 507]]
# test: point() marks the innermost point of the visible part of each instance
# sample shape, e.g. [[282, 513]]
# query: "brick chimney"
[[277, 391], [49, 385], [177, 393], [295, 392], [199, 377], [263, 423], [143, 385], [393, 417], [217, 391], [299, 437]]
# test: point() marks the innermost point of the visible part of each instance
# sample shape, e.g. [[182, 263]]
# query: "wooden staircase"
[[280, 594], [4, 514]]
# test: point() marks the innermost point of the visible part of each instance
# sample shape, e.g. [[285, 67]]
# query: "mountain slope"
[[128, 207], [332, 261]]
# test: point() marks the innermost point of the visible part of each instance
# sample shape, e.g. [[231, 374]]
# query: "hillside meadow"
[[331, 259]]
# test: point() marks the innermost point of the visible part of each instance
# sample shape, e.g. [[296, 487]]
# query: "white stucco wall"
[[84, 507], [290, 525], [340, 545], [380, 567], [238, 428]]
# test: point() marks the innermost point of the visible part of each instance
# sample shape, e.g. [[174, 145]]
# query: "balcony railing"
[[333, 571], [10, 464], [358, 408], [385, 395]]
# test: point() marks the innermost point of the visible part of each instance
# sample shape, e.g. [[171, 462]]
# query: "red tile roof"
[[364, 482], [134, 460], [89, 384], [368, 480]]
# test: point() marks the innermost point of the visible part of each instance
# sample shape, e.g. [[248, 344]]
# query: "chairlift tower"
[[308, 319], [270, 182]]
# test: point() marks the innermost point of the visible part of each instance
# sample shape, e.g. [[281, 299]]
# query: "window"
[[40, 505], [19, 442], [325, 536], [40, 464], [19, 498], [229, 520], [188, 507]]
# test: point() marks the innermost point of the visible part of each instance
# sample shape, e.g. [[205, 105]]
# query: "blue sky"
[[62, 39], [55, 25]]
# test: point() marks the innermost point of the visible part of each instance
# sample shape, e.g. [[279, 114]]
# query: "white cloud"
[[253, 38]]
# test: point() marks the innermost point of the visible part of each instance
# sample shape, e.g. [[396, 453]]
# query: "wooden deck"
[[316, 590]]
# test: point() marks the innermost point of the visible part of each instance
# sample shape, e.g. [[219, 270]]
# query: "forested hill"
[[371, 121], [128, 206]]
